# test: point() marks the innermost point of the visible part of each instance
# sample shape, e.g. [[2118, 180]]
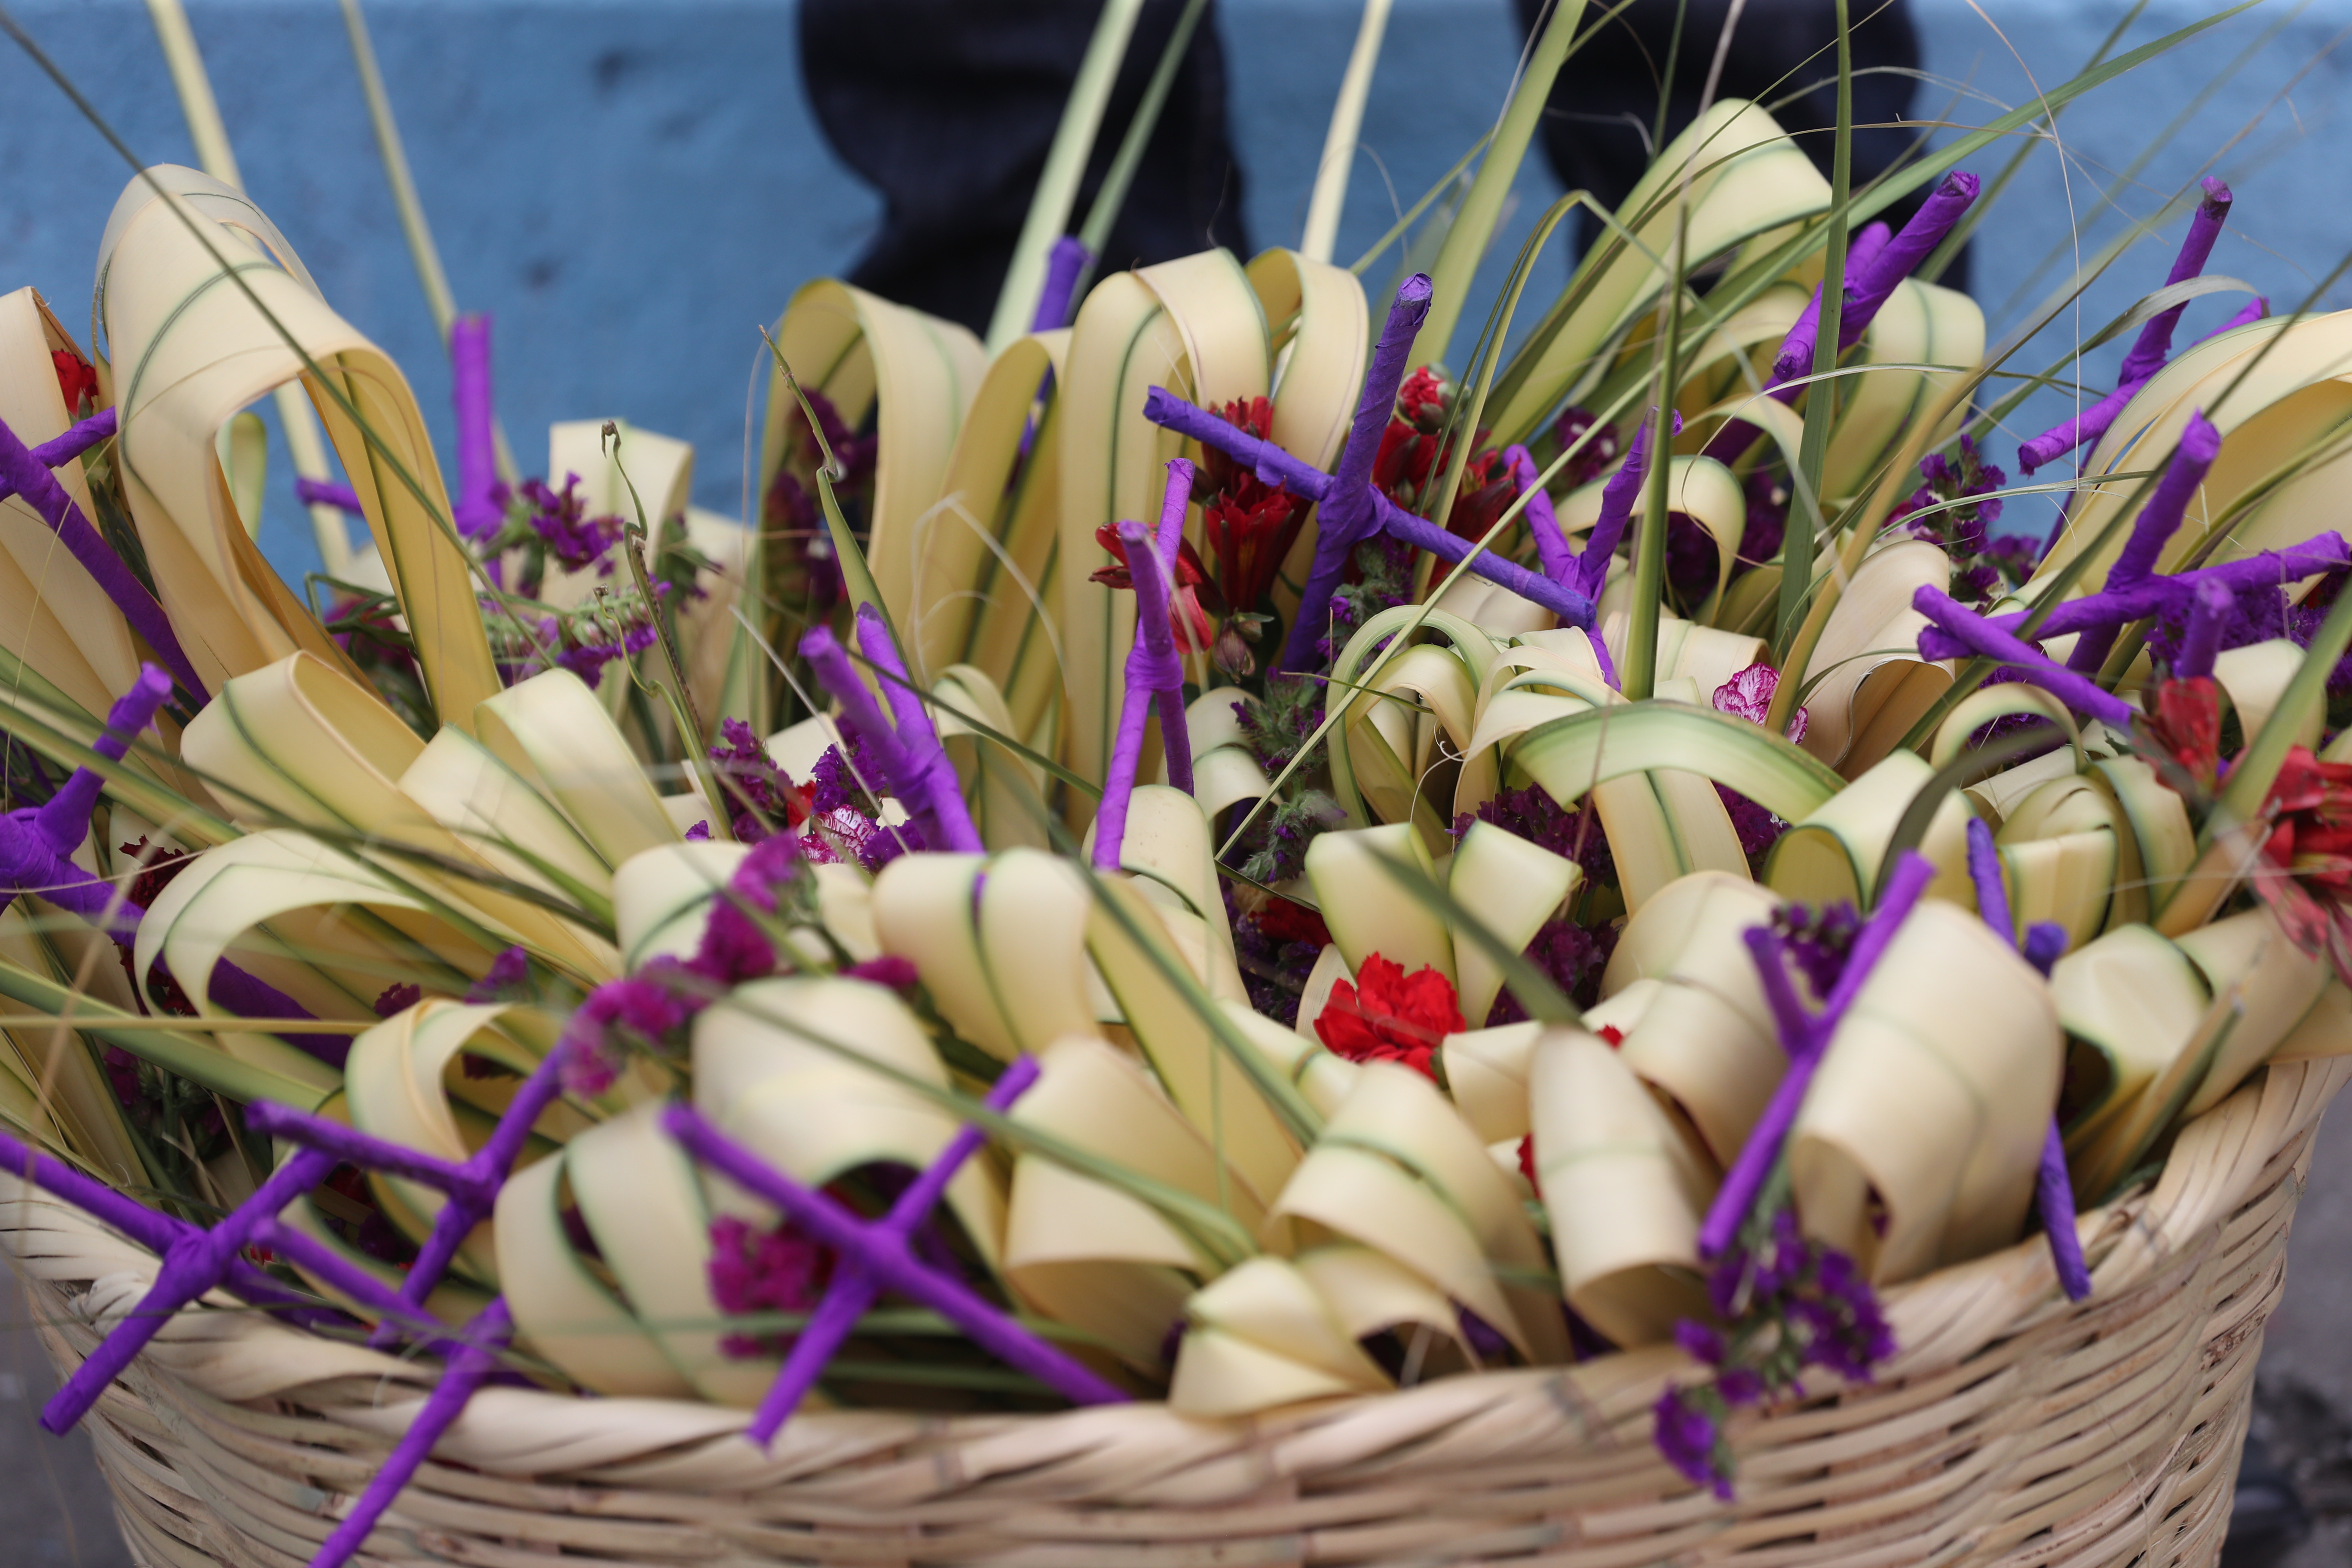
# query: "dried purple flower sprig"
[[2043, 944]]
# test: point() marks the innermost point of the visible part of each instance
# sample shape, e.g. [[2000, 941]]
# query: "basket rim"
[[2225, 1161]]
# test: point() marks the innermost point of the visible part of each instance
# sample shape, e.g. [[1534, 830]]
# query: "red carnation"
[[1389, 1017], [74, 379], [1283, 920]]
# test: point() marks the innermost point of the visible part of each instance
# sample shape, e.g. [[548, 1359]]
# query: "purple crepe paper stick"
[[854, 1288], [2053, 1190], [1154, 678], [860, 718], [343, 1277], [2202, 639], [1068, 258], [2112, 606], [1805, 1048], [1617, 498], [2149, 351], [1980, 636], [2252, 311], [158, 1233], [890, 1260], [1880, 274], [1553, 548], [26, 474], [926, 781], [476, 516], [62, 449], [474, 1361], [1571, 607], [64, 822], [1346, 516], [1794, 361], [326, 492], [2157, 522], [1269, 462], [192, 1265]]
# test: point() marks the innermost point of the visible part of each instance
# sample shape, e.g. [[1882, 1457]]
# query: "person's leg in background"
[[1602, 124], [947, 107]]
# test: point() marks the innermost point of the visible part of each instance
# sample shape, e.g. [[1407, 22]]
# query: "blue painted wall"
[[630, 189]]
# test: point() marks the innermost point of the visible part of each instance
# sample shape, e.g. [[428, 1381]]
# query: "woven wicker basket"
[[2010, 1429]]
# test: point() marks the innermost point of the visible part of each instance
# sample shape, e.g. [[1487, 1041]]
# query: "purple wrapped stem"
[[1868, 289], [24, 473], [1806, 1039], [1271, 465], [889, 1260], [924, 779], [2157, 522], [2202, 639], [1553, 548], [64, 822], [477, 515], [475, 1359], [1347, 516], [853, 1287], [327, 492], [2150, 349], [1064, 263], [1794, 361], [1155, 674], [1981, 638], [2053, 1190], [1618, 498]]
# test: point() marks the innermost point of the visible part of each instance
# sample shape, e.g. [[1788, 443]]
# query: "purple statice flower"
[[587, 660], [700, 833], [733, 948], [1276, 945], [1768, 519], [1782, 1305], [1571, 957], [1690, 1436], [1981, 568], [1818, 943], [1690, 559], [752, 1271], [504, 980], [642, 1010], [560, 518], [834, 780], [397, 997], [1600, 455], [1486, 1341], [743, 761], [890, 970], [1381, 578], [1535, 816], [1274, 850]]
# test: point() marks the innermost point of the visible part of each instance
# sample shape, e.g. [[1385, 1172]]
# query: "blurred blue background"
[[631, 189]]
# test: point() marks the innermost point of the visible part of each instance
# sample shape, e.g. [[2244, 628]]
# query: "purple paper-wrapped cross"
[[2044, 943], [1348, 509], [1805, 1037], [471, 1185], [879, 1254]]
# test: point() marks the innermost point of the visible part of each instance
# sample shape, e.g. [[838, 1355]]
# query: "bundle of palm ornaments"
[[1242, 844]]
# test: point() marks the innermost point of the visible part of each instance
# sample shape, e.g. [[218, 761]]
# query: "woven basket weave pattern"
[[2010, 1429]]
